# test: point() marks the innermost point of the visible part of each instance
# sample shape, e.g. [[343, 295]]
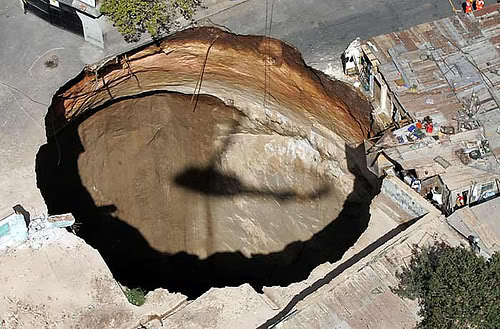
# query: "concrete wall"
[[411, 205]]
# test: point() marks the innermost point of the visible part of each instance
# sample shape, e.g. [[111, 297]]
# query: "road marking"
[[45, 53]]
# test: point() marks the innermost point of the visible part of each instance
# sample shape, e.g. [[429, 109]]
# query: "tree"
[[455, 287], [134, 17]]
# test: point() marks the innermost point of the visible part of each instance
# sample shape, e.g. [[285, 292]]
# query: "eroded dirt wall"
[[186, 191], [240, 70], [200, 182]]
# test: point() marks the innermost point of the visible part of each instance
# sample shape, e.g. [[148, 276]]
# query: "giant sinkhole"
[[206, 160]]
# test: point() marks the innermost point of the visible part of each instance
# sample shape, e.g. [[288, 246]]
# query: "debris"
[[351, 58]]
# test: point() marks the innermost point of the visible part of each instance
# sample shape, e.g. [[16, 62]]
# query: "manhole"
[[52, 62]]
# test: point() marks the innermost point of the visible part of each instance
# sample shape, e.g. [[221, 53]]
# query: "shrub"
[[136, 296], [132, 18]]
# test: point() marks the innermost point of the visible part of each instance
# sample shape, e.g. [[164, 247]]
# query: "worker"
[[459, 201], [479, 4], [468, 6], [407, 178], [416, 185], [428, 128]]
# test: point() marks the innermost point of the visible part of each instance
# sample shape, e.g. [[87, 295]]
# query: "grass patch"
[[136, 296]]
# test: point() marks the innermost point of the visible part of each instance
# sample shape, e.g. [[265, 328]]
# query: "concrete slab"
[[13, 231], [45, 285]]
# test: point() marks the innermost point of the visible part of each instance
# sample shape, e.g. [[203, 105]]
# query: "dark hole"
[[135, 263]]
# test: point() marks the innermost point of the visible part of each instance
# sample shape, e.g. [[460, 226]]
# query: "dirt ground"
[[175, 175], [137, 151], [55, 280]]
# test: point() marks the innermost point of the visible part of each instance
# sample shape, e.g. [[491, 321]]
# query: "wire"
[[267, 55], [55, 138], [202, 73], [268, 88], [22, 92], [265, 58]]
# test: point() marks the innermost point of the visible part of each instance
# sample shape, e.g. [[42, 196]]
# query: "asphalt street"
[[320, 29]]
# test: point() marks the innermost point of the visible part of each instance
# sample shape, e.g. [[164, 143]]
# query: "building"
[[13, 230], [77, 16], [436, 89]]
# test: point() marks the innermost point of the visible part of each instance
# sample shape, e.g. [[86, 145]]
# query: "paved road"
[[26, 43], [321, 29]]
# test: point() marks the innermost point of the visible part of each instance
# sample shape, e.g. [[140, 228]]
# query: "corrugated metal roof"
[[444, 62]]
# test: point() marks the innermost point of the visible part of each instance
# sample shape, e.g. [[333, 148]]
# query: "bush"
[[136, 296], [132, 18]]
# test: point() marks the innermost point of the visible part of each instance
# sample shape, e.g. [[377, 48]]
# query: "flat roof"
[[362, 296], [85, 6], [482, 221]]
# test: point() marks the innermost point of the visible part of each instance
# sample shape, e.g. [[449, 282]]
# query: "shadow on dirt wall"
[[135, 264]]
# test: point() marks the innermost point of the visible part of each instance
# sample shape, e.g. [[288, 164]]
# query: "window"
[[487, 190], [487, 187]]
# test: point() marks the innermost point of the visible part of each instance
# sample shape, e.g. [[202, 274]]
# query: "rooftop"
[[362, 296], [89, 7], [480, 221], [448, 70]]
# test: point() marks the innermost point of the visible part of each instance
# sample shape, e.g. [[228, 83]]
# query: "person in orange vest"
[[468, 6], [479, 4]]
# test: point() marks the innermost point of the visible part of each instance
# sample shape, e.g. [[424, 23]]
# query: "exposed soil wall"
[[190, 192], [198, 182], [240, 70]]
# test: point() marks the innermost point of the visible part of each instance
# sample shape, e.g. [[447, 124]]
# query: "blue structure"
[[13, 231]]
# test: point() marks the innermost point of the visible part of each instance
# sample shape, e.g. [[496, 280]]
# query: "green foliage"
[[134, 17], [455, 287], [136, 296]]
